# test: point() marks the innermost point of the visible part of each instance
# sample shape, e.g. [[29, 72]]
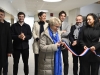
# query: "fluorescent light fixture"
[[42, 10], [52, 0]]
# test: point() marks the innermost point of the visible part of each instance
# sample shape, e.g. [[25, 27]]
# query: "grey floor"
[[31, 63]]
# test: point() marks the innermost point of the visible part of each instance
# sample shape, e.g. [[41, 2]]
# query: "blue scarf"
[[57, 54]]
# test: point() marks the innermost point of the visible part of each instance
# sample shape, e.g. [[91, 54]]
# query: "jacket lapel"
[[45, 25]]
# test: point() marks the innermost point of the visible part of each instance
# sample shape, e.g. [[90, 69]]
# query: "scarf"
[[41, 23], [76, 31], [57, 54]]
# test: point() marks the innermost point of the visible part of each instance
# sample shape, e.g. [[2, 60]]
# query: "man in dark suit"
[[73, 37], [5, 40], [21, 33]]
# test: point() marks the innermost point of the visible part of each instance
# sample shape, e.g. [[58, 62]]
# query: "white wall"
[[92, 8], [30, 21], [6, 5]]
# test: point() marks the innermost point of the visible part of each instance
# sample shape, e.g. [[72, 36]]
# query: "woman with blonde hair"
[[50, 60]]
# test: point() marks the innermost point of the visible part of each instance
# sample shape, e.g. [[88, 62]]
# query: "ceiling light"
[[11, 1], [52, 0], [42, 10]]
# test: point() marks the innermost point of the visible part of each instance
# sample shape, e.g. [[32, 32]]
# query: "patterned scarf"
[[76, 31]]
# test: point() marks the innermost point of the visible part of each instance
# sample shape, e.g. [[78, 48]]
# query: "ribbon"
[[82, 54]]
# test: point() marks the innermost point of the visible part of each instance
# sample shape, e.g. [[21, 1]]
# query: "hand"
[[37, 39], [92, 48], [58, 44], [62, 43], [22, 36], [19, 36], [85, 47], [63, 31], [74, 43], [9, 54]]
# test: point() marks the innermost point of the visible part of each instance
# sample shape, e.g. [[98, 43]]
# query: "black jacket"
[[16, 30], [89, 36], [77, 47], [5, 42]]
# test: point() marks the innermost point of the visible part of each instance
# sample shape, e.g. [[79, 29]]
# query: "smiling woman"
[[50, 60], [89, 37]]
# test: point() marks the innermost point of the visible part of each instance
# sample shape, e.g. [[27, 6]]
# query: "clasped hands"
[[22, 36]]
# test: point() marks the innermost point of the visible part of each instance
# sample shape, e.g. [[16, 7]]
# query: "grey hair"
[[54, 21]]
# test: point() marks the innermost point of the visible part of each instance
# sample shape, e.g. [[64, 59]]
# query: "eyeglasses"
[[57, 26]]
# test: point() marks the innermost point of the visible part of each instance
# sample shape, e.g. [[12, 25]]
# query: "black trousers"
[[5, 68], [90, 68], [0, 69], [16, 57], [65, 60], [76, 60], [36, 63]]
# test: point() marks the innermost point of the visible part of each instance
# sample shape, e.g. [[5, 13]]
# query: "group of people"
[[49, 45]]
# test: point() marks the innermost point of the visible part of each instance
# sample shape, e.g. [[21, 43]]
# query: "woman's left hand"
[[92, 48]]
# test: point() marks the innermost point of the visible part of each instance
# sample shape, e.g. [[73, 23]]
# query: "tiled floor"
[[31, 63]]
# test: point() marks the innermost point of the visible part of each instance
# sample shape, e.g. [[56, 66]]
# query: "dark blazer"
[[16, 30], [77, 47], [5, 42], [89, 36]]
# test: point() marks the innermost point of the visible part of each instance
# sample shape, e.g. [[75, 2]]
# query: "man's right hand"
[[63, 31], [85, 47], [74, 43]]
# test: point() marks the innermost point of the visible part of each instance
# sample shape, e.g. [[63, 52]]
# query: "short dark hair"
[[2, 11], [41, 13], [80, 15], [62, 12], [21, 13]]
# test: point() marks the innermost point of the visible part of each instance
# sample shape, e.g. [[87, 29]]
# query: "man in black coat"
[[73, 37], [5, 40], [21, 33]]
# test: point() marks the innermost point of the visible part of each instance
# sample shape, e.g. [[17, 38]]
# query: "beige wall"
[[72, 15]]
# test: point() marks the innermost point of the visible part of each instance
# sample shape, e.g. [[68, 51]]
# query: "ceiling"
[[30, 7], [98, 2]]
